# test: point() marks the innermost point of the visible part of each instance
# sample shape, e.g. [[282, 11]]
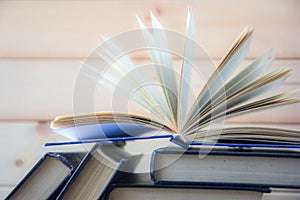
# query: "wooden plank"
[[42, 89], [64, 29], [22, 145], [37, 89]]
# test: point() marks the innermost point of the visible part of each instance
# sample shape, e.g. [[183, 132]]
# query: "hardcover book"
[[260, 168], [104, 164], [48, 176], [139, 186]]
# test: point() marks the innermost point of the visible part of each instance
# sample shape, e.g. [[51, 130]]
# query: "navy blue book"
[[264, 168], [139, 186], [104, 164], [48, 176]]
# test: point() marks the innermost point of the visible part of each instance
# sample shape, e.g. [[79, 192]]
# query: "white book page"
[[121, 75], [255, 88], [163, 63], [246, 76], [186, 69], [228, 64]]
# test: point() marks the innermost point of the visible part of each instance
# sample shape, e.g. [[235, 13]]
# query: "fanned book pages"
[[175, 109]]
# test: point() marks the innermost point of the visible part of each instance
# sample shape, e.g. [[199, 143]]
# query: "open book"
[[225, 94]]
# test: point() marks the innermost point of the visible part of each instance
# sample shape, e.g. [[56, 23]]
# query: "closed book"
[[261, 168], [48, 176], [105, 163], [138, 186]]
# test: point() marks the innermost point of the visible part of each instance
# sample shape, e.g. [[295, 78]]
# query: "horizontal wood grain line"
[[67, 29], [66, 68]]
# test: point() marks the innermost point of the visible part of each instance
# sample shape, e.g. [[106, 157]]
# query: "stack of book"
[[212, 162], [220, 174], [107, 172]]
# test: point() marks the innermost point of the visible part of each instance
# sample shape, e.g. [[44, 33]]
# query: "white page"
[[161, 61], [186, 69], [246, 76], [220, 77]]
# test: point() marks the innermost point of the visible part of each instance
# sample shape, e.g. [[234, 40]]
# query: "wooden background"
[[43, 42]]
